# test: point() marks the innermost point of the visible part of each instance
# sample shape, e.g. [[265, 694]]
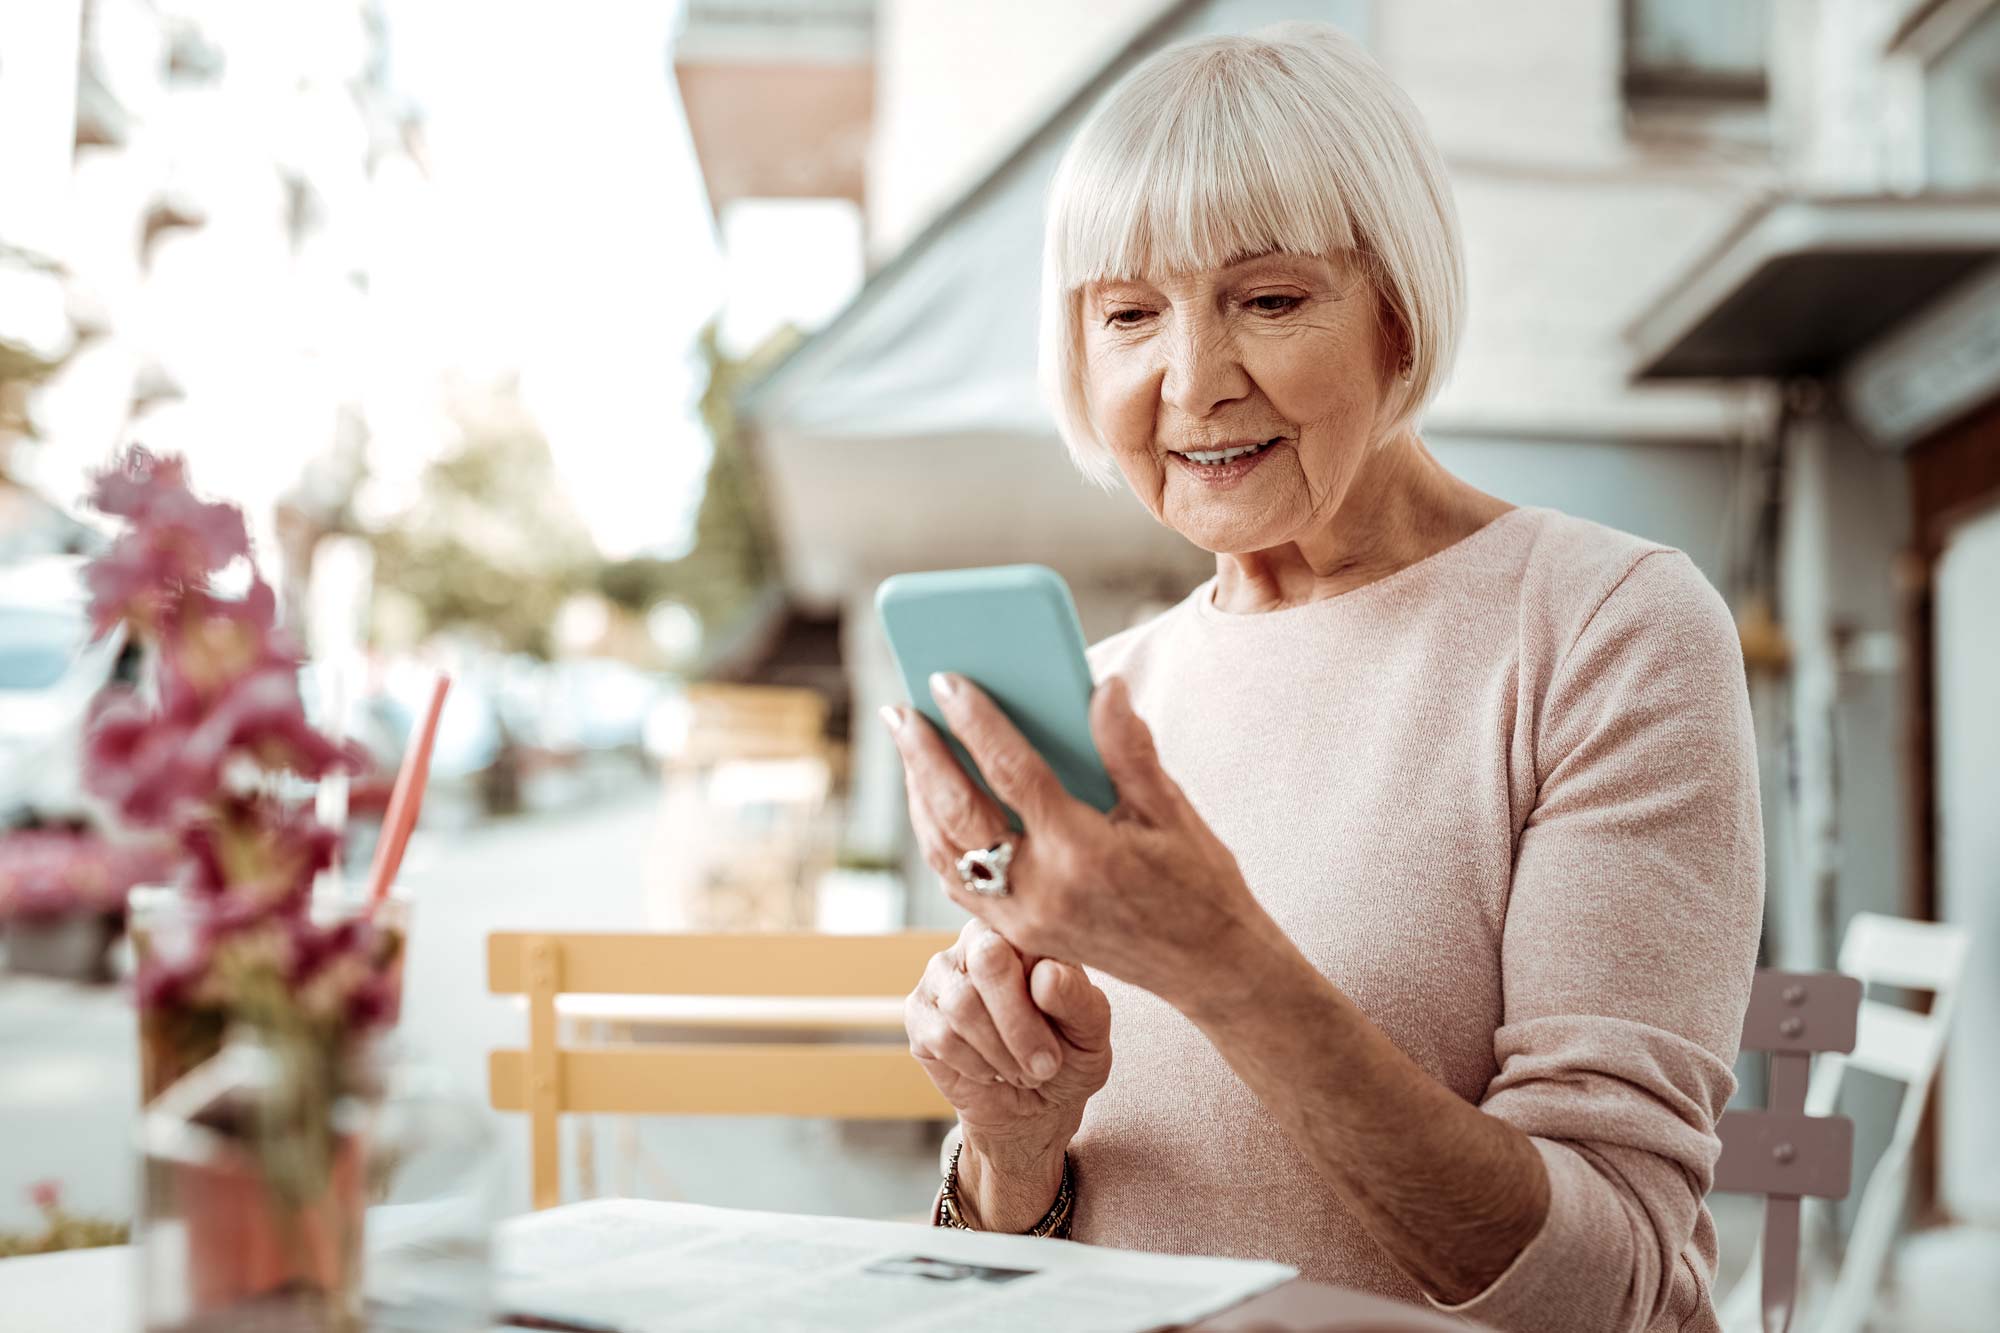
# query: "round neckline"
[[1210, 614]]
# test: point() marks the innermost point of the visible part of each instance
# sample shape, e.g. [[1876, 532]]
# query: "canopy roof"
[[1802, 284]]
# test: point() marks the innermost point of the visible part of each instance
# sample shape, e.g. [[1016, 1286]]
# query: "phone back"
[[1013, 631]]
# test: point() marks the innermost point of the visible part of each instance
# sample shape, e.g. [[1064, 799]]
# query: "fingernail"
[[892, 718], [1043, 1065], [943, 684]]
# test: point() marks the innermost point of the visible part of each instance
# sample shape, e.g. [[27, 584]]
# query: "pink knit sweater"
[[1506, 799]]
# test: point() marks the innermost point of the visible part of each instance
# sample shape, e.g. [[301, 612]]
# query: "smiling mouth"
[[1229, 453]]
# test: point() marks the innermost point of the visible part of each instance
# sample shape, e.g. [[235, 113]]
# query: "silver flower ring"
[[984, 869]]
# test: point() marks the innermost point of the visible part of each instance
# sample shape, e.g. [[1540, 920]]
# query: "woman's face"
[[1281, 348]]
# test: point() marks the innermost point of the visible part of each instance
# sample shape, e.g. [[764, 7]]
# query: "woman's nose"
[[1202, 368]]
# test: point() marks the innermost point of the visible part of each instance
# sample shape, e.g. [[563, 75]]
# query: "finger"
[[965, 1010], [935, 1043], [997, 974], [930, 839], [943, 1053], [975, 931], [1011, 766], [1125, 744], [942, 858], [961, 815], [1080, 1011]]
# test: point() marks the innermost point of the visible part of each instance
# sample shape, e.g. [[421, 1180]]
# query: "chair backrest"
[[1782, 1152], [849, 1079], [753, 722], [1896, 1043], [1891, 1041]]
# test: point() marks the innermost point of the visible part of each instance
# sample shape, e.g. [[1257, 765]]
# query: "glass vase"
[[434, 1194], [255, 1186]]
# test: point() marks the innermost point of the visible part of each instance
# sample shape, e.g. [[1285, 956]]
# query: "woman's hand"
[[1147, 893], [1017, 1045]]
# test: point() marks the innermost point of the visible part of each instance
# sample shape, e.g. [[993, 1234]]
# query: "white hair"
[[1288, 139]]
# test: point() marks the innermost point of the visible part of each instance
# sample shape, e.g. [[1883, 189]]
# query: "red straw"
[[404, 802]]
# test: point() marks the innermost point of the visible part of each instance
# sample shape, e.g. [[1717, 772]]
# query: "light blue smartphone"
[[1011, 630]]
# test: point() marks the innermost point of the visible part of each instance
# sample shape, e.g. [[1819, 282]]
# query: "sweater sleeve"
[[1629, 944]]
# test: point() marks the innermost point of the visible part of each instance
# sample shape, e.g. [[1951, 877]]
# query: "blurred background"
[[609, 355]]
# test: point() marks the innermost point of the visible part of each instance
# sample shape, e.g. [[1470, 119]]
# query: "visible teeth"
[[1224, 455]]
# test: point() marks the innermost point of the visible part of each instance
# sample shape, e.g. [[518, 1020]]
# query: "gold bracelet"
[[1055, 1223]]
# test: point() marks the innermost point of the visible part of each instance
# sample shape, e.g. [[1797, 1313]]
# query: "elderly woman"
[[1424, 927]]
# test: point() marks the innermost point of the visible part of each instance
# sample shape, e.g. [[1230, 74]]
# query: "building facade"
[[1865, 296]]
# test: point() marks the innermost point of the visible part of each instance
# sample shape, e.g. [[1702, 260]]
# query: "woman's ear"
[[1393, 342], [1395, 347]]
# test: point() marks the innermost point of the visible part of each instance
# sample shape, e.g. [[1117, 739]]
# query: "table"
[[52, 1293], [95, 1290]]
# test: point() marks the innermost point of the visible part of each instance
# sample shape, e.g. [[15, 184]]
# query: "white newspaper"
[[633, 1266]]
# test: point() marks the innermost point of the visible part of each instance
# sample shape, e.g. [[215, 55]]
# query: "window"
[[1962, 109], [1696, 50]]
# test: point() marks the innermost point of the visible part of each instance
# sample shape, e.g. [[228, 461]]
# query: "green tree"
[[492, 542], [734, 553]]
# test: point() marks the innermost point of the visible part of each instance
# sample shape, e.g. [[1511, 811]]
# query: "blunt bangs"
[[1171, 192]]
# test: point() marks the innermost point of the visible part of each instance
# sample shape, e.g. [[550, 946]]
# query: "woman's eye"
[[1118, 318], [1272, 304]]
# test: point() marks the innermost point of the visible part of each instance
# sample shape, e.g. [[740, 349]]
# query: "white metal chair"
[[1895, 1043]]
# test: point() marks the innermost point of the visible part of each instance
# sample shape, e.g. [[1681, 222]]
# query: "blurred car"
[[602, 703], [50, 670], [569, 712], [472, 758]]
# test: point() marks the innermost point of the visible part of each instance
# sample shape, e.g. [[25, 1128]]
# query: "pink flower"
[[247, 957], [176, 541], [227, 677], [234, 950], [130, 582], [344, 977], [243, 700], [46, 1195], [127, 488], [143, 761], [262, 717], [207, 644], [259, 848], [153, 493]]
